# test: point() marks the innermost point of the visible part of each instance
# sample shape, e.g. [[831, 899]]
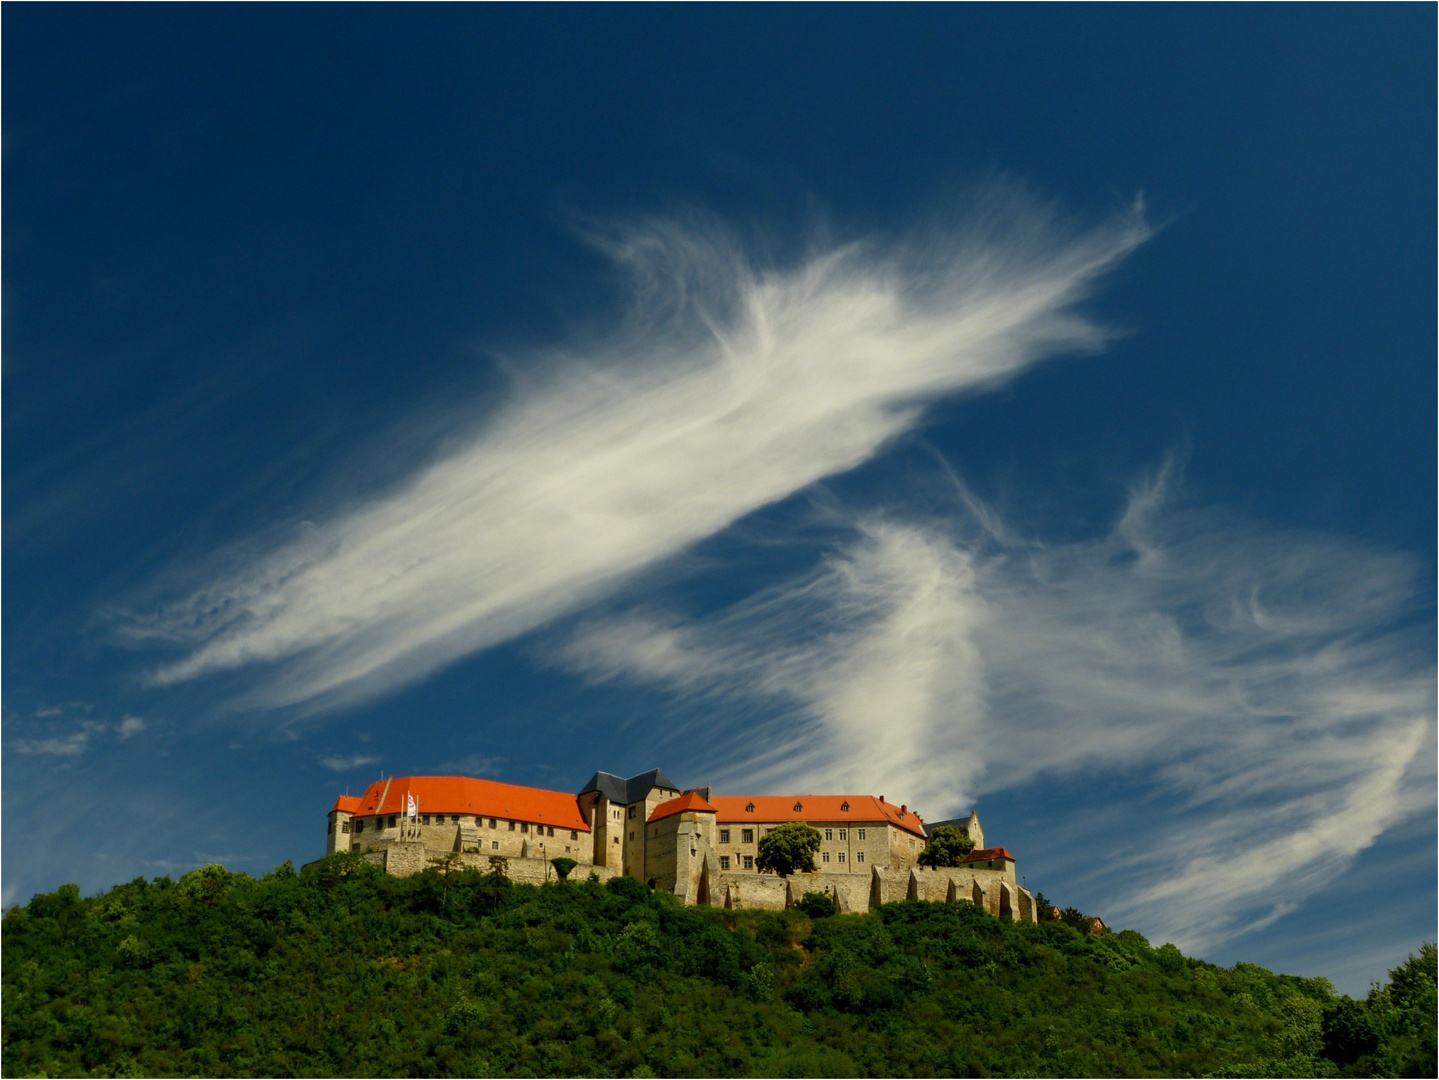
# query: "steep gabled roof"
[[690, 800], [346, 803], [622, 791], [466, 795], [733, 809]]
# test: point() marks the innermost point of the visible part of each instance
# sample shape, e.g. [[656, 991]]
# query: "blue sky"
[[522, 392]]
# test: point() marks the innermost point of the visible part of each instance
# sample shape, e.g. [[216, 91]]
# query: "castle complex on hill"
[[700, 846]]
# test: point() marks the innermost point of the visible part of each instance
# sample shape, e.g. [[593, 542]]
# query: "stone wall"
[[534, 871], [745, 891]]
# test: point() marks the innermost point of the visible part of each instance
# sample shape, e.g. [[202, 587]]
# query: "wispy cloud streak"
[[1265, 695], [728, 387]]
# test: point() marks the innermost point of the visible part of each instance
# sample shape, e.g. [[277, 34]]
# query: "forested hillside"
[[346, 972]]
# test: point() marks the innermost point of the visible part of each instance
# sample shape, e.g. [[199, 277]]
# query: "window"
[[799, 808], [494, 845], [841, 856], [911, 845], [844, 808], [550, 831], [749, 862], [632, 811], [359, 826], [394, 820], [749, 809], [425, 819], [344, 826], [574, 835], [331, 829], [824, 857], [843, 834], [493, 823], [861, 834], [747, 836], [512, 826], [859, 856], [724, 862], [617, 839], [724, 836], [567, 849], [829, 834], [524, 826], [657, 830]]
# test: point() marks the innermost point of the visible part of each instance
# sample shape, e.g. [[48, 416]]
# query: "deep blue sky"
[[262, 264]]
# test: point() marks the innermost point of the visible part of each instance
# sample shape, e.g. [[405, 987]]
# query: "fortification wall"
[[535, 871], [744, 891], [849, 891]]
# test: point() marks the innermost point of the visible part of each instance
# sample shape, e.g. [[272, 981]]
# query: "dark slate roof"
[[633, 790], [960, 823]]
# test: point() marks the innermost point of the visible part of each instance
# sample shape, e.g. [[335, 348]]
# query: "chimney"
[[881, 798], [903, 809]]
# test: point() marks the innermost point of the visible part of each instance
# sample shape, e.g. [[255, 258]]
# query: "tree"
[[563, 866], [788, 848], [947, 846]]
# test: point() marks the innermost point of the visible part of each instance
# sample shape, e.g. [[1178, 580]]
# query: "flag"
[[412, 811]]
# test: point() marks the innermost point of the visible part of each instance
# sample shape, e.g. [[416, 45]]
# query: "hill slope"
[[346, 972]]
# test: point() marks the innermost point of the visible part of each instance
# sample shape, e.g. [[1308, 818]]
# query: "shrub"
[[818, 905], [631, 889]]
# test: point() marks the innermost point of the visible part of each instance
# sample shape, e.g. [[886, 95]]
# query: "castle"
[[700, 846]]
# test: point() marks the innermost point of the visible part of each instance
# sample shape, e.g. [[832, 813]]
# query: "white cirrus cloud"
[[1269, 692], [728, 386], [130, 726], [60, 745], [346, 762]]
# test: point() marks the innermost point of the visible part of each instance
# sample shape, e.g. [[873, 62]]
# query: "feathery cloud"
[[346, 762], [1266, 686], [729, 386]]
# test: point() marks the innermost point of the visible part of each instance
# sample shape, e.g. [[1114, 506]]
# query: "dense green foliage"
[[946, 846], [347, 972], [788, 849], [817, 905]]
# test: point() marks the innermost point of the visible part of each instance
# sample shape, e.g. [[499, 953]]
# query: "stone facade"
[[701, 847]]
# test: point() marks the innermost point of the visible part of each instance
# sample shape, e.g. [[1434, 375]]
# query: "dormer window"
[[844, 808], [798, 807], [749, 809]]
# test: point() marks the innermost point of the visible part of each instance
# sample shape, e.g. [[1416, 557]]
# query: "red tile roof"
[[348, 803], [984, 854], [484, 798], [690, 800], [826, 808]]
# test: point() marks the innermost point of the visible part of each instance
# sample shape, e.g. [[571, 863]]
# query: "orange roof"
[[690, 800], [465, 795], [826, 808], [983, 854], [348, 803]]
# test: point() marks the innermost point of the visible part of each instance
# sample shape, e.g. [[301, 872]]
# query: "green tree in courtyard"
[[788, 849], [946, 847]]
